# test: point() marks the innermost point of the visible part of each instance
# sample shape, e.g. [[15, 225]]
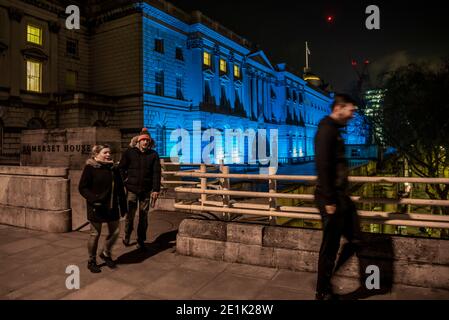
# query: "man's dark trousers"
[[344, 222], [142, 201]]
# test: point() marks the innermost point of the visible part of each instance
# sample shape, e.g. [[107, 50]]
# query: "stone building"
[[144, 63]]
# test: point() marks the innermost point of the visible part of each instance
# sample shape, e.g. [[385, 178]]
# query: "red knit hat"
[[144, 134]]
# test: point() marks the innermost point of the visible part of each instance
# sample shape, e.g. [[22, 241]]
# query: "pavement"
[[33, 266]]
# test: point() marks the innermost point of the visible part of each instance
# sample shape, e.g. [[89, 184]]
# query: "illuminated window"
[[34, 34], [223, 66], [70, 79], [34, 76], [236, 71], [207, 59]]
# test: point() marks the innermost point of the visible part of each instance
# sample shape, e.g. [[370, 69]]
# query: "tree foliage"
[[415, 120]]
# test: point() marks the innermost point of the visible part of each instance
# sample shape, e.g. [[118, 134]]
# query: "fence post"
[[225, 185], [203, 184], [162, 162], [272, 187]]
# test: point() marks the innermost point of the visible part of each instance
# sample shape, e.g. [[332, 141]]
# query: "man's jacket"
[[331, 165], [141, 171]]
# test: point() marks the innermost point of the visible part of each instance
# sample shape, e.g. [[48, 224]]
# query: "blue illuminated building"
[[197, 70]]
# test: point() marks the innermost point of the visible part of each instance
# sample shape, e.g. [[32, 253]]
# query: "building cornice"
[[34, 53]]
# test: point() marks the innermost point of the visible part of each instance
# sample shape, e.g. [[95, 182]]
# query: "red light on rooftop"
[[330, 18], [354, 63], [366, 62]]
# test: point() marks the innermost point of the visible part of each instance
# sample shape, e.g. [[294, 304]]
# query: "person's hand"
[[330, 209], [154, 196]]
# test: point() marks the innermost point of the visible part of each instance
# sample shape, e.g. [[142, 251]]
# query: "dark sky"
[[409, 32]]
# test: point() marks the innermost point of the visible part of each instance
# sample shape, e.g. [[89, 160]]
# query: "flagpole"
[[307, 57]]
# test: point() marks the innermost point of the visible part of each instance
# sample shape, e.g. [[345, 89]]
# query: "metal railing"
[[227, 206]]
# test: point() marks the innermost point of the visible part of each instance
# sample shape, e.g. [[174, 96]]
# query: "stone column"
[[231, 80], [254, 95], [216, 87]]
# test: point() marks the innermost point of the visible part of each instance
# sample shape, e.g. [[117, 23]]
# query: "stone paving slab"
[[33, 264], [295, 280], [22, 245], [252, 271], [231, 286], [282, 293], [103, 289], [179, 284], [50, 288]]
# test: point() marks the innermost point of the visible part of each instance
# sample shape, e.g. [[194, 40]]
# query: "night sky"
[[409, 32]]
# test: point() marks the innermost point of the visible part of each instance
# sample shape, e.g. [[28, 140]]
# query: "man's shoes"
[[108, 260], [93, 267], [326, 296], [126, 242], [141, 246]]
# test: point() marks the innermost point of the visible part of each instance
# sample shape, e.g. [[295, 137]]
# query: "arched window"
[[36, 123]]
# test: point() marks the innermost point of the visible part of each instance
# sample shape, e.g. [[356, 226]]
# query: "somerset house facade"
[[135, 64]]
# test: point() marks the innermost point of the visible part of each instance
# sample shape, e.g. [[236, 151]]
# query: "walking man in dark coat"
[[141, 171], [338, 212]]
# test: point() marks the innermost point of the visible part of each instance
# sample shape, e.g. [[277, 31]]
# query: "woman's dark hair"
[[342, 98]]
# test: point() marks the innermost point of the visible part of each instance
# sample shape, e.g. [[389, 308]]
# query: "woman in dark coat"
[[102, 187]]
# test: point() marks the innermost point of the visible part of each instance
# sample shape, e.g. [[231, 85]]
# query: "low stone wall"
[[35, 198], [411, 261]]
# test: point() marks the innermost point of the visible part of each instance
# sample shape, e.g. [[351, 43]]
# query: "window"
[[72, 47], [287, 93], [207, 61], [71, 78], [223, 66], [34, 76], [179, 54], [160, 140], [237, 72], [294, 96], [159, 45], [159, 83], [179, 94], [34, 34]]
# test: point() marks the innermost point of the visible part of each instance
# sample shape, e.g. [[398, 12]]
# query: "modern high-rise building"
[[373, 105], [146, 63]]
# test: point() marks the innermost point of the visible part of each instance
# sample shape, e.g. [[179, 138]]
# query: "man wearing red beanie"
[[141, 171]]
